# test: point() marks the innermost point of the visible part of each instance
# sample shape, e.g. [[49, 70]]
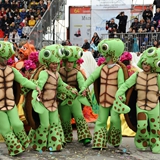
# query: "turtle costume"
[[147, 85], [108, 77], [68, 108], [11, 127], [49, 134]]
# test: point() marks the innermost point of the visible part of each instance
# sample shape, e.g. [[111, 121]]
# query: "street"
[[76, 151]]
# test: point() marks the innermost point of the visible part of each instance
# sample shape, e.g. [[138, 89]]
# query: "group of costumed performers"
[[55, 96], [146, 84], [11, 127]]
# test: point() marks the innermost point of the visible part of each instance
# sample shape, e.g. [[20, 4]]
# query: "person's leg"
[[18, 127], [13, 145], [100, 132], [54, 138], [41, 133], [114, 133], [83, 131], [65, 117]]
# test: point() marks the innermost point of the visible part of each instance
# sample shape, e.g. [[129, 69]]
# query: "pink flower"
[[29, 65], [101, 60], [34, 56], [80, 61], [126, 56], [10, 61]]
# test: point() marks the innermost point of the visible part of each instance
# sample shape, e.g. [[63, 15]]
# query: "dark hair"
[[126, 62]]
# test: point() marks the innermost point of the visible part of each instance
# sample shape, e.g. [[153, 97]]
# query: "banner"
[[111, 4], [79, 24]]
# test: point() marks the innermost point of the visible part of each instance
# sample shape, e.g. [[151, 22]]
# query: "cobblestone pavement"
[[76, 151]]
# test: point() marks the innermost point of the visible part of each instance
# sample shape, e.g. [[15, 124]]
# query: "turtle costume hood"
[[111, 48], [51, 53], [6, 49], [151, 56]]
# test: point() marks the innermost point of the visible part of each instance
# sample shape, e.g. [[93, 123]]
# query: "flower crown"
[[126, 56], [34, 56], [100, 61], [29, 65], [80, 61]]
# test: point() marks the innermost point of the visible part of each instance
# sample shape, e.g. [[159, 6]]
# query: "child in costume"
[[73, 77], [147, 85], [11, 126], [109, 77], [49, 134]]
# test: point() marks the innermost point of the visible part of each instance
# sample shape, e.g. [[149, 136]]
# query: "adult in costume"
[[49, 134], [73, 77], [11, 126], [109, 77], [147, 85]]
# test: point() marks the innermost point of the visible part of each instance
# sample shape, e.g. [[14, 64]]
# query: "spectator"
[[142, 24], [23, 13], [68, 43], [26, 30], [156, 3], [32, 22], [86, 45], [147, 13], [5, 22], [14, 5], [2, 12], [135, 24], [33, 4], [95, 40], [30, 12], [12, 26], [7, 4], [110, 25], [157, 15], [10, 15], [14, 37], [18, 20], [19, 30], [42, 5], [122, 22]]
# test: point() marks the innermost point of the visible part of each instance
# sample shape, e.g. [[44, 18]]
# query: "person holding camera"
[[122, 22]]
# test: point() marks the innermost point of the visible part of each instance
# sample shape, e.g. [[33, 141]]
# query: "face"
[[69, 65], [53, 67], [146, 67], [3, 61]]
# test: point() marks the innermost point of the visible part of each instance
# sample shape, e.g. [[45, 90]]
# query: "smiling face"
[[53, 67]]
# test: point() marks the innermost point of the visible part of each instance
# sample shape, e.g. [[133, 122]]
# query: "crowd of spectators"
[[18, 17]]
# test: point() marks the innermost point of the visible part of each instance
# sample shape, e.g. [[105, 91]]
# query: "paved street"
[[76, 151]]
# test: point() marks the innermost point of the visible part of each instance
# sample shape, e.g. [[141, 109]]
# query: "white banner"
[[111, 4], [80, 24], [99, 18]]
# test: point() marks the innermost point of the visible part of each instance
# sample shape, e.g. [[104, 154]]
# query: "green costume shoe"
[[83, 130], [54, 138], [40, 139], [13, 144], [24, 139]]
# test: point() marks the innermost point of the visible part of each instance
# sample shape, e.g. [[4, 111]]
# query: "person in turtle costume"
[[11, 127], [49, 134], [73, 77], [108, 77], [147, 85]]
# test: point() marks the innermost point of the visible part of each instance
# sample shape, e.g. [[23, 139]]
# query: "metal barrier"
[[43, 26], [135, 42]]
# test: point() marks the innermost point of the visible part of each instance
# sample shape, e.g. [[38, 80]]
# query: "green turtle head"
[[151, 56], [6, 49], [51, 53], [111, 48], [72, 53]]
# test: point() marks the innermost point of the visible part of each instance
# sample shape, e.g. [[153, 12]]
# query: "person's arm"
[[92, 78], [120, 77], [126, 85], [22, 80], [42, 79], [80, 79]]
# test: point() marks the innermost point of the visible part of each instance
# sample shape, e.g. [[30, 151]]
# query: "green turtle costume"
[[11, 127], [68, 108], [49, 134], [108, 77], [147, 85]]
